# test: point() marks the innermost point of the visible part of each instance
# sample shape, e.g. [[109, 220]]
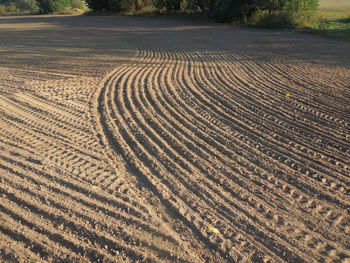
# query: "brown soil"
[[123, 139]]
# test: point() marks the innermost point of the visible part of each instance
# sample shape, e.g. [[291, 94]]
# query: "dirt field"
[[123, 139]]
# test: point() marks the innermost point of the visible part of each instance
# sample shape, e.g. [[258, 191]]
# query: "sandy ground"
[[123, 139]]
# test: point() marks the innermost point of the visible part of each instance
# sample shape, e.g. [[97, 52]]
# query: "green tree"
[[221, 10], [301, 8], [78, 4], [98, 5], [52, 6], [115, 5]]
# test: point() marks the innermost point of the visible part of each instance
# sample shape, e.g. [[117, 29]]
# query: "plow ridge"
[[122, 143], [191, 120]]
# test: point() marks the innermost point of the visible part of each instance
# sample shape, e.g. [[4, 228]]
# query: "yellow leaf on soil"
[[212, 230]]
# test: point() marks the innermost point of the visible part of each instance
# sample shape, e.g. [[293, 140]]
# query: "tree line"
[[39, 6], [283, 11]]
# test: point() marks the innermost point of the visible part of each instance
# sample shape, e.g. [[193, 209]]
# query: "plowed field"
[[126, 139]]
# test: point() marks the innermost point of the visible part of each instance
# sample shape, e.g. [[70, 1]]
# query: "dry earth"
[[123, 139]]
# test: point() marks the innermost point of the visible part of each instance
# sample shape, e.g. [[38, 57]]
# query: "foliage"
[[53, 6], [18, 6], [334, 24], [278, 12], [35, 6], [120, 5], [272, 20], [301, 8], [80, 4], [98, 5], [269, 13]]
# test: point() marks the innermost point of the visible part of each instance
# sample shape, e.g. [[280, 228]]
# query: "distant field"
[[335, 5], [333, 19]]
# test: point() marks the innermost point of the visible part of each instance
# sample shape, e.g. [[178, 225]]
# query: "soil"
[[130, 139]]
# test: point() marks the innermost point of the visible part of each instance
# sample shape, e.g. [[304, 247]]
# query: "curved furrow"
[[33, 242], [170, 150], [309, 125], [213, 192], [130, 153], [154, 173], [273, 79], [24, 116], [286, 146], [315, 82], [14, 246], [63, 111], [333, 184], [333, 162], [255, 105], [88, 212], [261, 75], [311, 121], [72, 161], [72, 123], [34, 222], [133, 211], [78, 132], [163, 132], [61, 127], [12, 161], [219, 113], [76, 160], [265, 119], [173, 114], [69, 220]]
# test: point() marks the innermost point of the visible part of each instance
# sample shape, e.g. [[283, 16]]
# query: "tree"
[[52, 6], [221, 10], [78, 4], [301, 8], [98, 5]]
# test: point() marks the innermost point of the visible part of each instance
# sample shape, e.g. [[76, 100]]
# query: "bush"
[[120, 5], [18, 6], [347, 20], [2, 9], [98, 5], [80, 4], [275, 19], [237, 10], [114, 5], [276, 13], [12, 8], [53, 6], [301, 9]]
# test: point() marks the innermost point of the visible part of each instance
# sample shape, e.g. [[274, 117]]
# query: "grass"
[[334, 5], [332, 20]]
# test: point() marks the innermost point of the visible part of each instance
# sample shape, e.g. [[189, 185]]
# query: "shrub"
[[12, 8], [347, 20], [121, 5], [80, 4], [277, 13], [114, 5], [233, 10], [98, 5], [301, 9], [2, 9], [53, 6], [275, 19]]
